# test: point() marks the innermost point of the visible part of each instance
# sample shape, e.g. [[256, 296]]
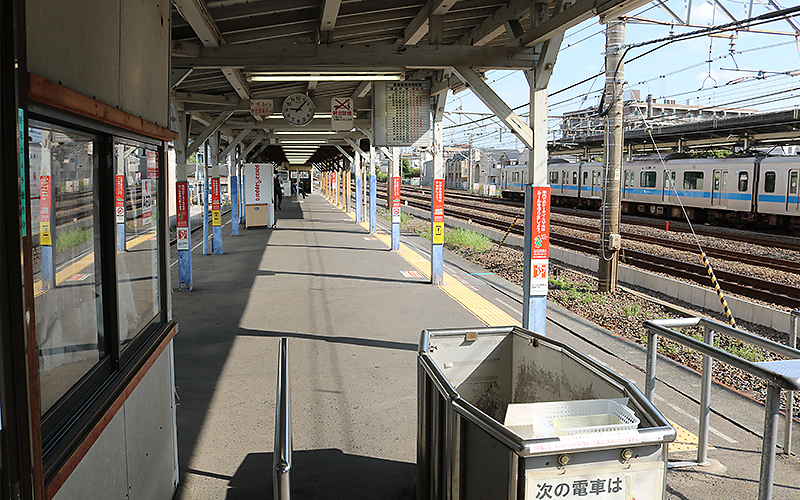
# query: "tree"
[[407, 170]]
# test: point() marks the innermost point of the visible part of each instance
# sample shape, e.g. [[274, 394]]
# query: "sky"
[[680, 70]]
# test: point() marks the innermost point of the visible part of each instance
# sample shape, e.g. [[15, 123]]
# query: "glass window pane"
[[138, 264], [769, 182], [743, 181], [66, 257]]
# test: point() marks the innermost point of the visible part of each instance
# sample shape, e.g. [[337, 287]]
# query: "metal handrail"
[[282, 455], [776, 381], [787, 433]]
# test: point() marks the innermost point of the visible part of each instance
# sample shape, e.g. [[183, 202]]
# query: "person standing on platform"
[[278, 191]]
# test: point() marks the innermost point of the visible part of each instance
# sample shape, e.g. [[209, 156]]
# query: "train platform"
[[353, 311]]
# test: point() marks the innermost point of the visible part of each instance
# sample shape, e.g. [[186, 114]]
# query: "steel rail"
[[747, 286]]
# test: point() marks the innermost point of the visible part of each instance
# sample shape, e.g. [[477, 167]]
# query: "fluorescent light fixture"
[[326, 77], [303, 141], [316, 115], [305, 132]]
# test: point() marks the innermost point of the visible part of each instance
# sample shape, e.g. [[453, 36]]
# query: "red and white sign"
[[438, 212], [341, 113], [147, 201], [45, 202], [120, 199], [216, 215], [540, 240], [182, 215], [395, 200], [152, 164], [261, 107], [257, 183]]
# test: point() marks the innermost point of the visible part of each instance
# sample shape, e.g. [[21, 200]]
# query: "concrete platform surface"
[[353, 311]]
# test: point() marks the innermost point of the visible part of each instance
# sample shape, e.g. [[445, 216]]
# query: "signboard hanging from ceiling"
[[341, 113], [261, 107], [401, 114]]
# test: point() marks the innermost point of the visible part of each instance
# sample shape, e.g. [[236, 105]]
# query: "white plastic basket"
[[569, 418]]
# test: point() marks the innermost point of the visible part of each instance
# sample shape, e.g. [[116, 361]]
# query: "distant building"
[[637, 114]]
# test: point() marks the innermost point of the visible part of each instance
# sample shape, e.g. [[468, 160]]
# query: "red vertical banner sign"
[[45, 203], [147, 201], [395, 200], [438, 212], [120, 199], [540, 240], [152, 163], [182, 215], [216, 216]]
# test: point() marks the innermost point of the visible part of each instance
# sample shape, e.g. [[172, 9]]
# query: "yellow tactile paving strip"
[[85, 262], [491, 315], [685, 440]]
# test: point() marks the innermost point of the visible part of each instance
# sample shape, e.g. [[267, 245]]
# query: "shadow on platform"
[[328, 473]]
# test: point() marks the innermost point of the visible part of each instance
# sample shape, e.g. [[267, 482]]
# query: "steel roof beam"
[[494, 26], [199, 18], [329, 11], [206, 102], [276, 56], [496, 105], [235, 142], [205, 134]]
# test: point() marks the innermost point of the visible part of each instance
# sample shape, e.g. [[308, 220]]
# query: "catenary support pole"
[[610, 239]]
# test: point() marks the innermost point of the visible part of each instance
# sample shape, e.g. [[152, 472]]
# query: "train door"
[[792, 198], [596, 176], [719, 189], [669, 186], [627, 190]]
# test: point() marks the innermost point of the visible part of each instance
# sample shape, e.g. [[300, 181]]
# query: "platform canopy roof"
[[227, 52]]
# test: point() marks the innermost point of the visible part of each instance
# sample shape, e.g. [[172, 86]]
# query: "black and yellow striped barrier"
[[722, 300], [516, 218]]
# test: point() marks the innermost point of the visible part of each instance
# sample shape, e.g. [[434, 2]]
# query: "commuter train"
[[758, 189]]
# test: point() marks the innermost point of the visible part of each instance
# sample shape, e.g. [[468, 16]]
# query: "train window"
[[553, 177], [793, 182], [138, 261], [743, 181], [648, 179], [585, 178], [693, 180], [769, 182], [515, 177], [575, 178], [66, 258]]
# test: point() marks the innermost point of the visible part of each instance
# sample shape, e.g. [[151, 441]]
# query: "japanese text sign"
[[341, 113], [395, 200], [437, 206], [182, 215], [216, 216], [540, 239]]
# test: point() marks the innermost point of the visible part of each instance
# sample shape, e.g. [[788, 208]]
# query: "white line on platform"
[[695, 419], [510, 307]]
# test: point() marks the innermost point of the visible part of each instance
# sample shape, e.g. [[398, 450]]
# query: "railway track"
[[746, 286]]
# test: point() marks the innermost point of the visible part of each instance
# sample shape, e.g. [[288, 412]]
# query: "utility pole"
[[610, 239]]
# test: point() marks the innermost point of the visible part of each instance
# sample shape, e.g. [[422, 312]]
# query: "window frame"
[[70, 420], [774, 181]]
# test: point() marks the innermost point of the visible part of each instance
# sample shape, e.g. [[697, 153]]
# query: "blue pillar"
[[373, 200], [205, 211], [184, 243], [233, 182], [358, 195], [534, 303], [437, 232]]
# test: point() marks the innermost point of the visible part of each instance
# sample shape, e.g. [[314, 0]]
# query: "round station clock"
[[298, 109]]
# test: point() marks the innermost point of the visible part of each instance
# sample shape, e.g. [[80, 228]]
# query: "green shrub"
[[633, 311], [72, 239], [461, 238]]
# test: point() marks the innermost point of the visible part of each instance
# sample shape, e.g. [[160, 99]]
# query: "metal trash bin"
[[466, 381]]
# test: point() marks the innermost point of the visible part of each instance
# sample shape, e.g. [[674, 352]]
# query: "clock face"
[[298, 109]]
